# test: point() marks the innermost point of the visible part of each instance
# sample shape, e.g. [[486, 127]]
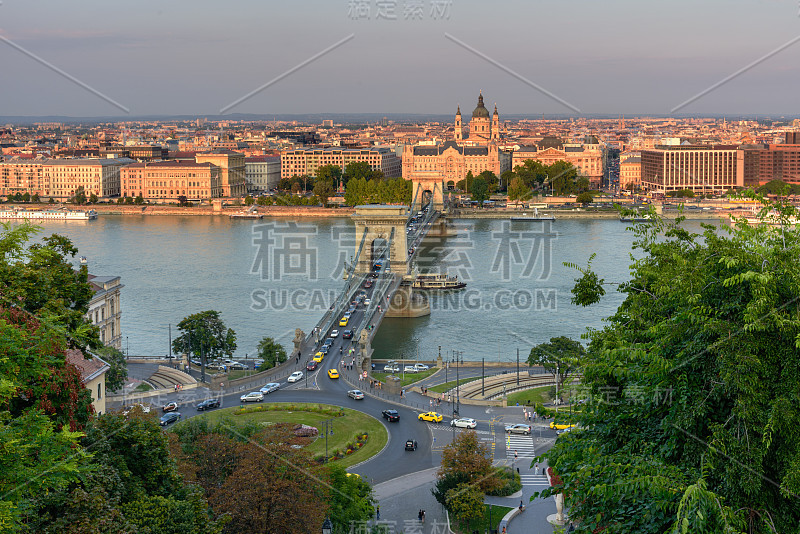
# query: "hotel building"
[[308, 160], [587, 157], [61, 178], [702, 169]]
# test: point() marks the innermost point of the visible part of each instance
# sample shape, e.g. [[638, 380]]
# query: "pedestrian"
[[536, 468], [520, 505], [529, 417], [504, 529], [515, 455], [378, 512], [419, 515], [423, 516]]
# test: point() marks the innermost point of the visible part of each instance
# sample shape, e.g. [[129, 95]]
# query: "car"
[[319, 356], [347, 314], [297, 375], [237, 366], [355, 394], [411, 444], [368, 284], [208, 404], [566, 430], [391, 415], [391, 368], [560, 426], [519, 428], [145, 408], [324, 350], [169, 407], [253, 396], [333, 373], [169, 418], [312, 365], [328, 341], [269, 388], [351, 309], [343, 321], [334, 333], [410, 369], [367, 302], [347, 334], [464, 422], [421, 367], [432, 417]]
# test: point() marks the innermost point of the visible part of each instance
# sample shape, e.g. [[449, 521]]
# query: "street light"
[[127, 348], [327, 526]]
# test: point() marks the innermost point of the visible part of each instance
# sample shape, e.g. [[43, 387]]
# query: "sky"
[[576, 57]]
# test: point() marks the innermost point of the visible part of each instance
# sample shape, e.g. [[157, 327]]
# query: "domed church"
[[482, 129]]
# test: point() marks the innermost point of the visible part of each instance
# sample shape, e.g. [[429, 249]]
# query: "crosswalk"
[[521, 445], [529, 479]]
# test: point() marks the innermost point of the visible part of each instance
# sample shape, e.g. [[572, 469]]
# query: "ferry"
[[250, 213], [771, 219], [643, 217], [61, 214], [437, 282], [534, 217]]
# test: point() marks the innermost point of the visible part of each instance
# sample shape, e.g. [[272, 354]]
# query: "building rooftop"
[[89, 368]]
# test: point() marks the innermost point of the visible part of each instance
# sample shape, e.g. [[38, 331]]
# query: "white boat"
[[534, 217], [639, 217], [60, 214], [437, 282], [770, 219]]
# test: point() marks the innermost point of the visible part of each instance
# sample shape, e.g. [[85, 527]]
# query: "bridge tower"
[[378, 221], [428, 186]]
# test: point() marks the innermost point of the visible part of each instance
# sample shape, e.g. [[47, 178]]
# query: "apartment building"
[[702, 169], [262, 173]]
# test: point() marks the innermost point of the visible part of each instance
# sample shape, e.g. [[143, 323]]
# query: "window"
[[100, 390]]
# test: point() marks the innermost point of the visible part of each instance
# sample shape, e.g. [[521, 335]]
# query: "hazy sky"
[[198, 56]]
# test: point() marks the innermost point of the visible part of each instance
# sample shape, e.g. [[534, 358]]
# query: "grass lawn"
[[447, 386], [143, 387], [480, 525], [344, 428], [539, 395], [410, 378]]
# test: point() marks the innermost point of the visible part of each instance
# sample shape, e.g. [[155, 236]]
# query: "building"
[[232, 170], [702, 169], [21, 176], [262, 173], [586, 157], [93, 375], [630, 171], [452, 160], [166, 181], [61, 178], [763, 163], [307, 160], [104, 309]]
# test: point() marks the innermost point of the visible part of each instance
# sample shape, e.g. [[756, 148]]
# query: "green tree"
[[584, 198], [323, 189], [702, 432], [465, 502], [518, 190], [205, 332], [351, 499], [93, 199], [505, 178], [562, 356], [26, 197], [330, 173], [51, 201], [532, 172], [356, 170], [116, 376], [491, 180], [480, 190], [248, 200], [581, 184], [79, 197], [35, 198], [139, 200], [466, 183], [271, 352]]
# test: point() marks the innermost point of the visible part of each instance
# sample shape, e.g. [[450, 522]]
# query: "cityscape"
[[399, 267]]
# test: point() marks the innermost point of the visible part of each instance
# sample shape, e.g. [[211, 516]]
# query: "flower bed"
[[282, 407], [350, 448]]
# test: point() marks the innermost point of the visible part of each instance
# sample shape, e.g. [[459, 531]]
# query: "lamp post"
[[327, 526], [127, 348], [326, 423]]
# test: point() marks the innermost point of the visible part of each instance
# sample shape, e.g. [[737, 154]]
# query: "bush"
[[512, 482]]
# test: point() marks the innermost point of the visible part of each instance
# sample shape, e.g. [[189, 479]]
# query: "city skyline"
[[163, 59]]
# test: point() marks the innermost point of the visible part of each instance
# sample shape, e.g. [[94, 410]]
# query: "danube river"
[[269, 277]]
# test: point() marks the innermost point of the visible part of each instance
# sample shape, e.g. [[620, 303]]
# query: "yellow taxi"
[[343, 321], [333, 373], [433, 417], [560, 426], [318, 357]]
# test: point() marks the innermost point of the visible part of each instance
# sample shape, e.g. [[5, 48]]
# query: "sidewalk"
[[400, 500]]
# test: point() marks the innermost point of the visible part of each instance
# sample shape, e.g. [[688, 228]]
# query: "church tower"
[[480, 124], [459, 134], [495, 125]]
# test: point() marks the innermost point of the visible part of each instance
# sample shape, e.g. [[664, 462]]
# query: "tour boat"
[[61, 214], [437, 282], [771, 219]]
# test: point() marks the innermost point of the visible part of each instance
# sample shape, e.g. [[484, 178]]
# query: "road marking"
[[523, 446], [534, 480]]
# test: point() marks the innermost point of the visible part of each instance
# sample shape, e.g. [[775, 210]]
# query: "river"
[[269, 277]]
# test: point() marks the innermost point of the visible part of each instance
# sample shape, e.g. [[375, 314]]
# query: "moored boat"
[[437, 282], [534, 217], [60, 214]]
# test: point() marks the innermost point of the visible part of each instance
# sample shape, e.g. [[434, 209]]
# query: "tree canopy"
[[205, 333], [561, 356], [271, 352], [692, 424]]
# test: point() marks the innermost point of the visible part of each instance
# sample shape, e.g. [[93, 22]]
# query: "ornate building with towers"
[[449, 162]]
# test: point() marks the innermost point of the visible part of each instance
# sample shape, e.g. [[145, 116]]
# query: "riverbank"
[[319, 211]]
